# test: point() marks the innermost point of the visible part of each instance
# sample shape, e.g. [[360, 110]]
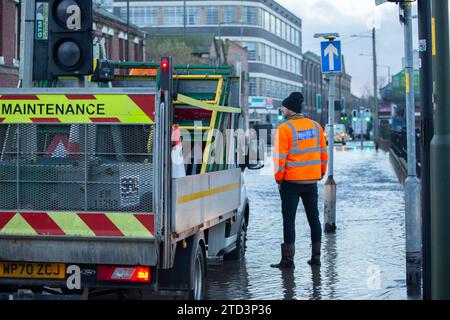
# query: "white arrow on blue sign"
[[331, 56]]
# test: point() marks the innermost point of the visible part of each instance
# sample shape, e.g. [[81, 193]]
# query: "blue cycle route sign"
[[331, 56]]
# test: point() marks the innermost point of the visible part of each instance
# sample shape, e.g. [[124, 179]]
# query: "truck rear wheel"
[[198, 277], [239, 252]]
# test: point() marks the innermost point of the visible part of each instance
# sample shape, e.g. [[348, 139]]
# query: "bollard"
[[330, 205]]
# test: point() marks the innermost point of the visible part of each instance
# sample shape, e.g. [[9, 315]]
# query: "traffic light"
[[354, 115], [66, 49], [166, 75], [280, 116], [70, 45], [368, 119]]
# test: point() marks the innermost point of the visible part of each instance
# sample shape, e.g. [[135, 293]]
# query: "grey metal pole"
[[440, 153], [26, 43], [29, 145], [362, 126], [426, 89], [127, 51], [375, 90], [412, 183], [330, 184]]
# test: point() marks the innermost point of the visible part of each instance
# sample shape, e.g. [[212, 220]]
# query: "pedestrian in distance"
[[300, 159]]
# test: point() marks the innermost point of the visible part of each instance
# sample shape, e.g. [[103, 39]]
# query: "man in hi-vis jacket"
[[300, 159]]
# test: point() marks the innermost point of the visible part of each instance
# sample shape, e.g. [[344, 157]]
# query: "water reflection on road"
[[365, 259]]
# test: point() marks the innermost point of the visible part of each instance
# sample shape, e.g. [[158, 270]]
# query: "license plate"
[[32, 270]]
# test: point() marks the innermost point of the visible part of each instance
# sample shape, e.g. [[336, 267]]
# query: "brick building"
[[112, 31], [9, 42]]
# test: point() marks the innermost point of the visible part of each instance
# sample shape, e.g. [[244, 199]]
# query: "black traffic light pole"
[[426, 89]]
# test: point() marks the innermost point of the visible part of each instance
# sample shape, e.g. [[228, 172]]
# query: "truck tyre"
[[239, 252], [198, 276]]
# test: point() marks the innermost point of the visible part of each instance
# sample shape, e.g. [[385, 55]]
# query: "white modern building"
[[271, 34]]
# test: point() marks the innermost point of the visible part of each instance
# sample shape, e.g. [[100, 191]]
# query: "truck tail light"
[[123, 273]]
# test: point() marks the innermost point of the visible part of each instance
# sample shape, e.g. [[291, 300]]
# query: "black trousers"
[[290, 196]]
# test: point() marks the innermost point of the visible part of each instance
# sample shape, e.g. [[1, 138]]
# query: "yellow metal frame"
[[216, 100], [210, 105]]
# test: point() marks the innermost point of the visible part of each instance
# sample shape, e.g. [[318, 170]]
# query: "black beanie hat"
[[294, 102]]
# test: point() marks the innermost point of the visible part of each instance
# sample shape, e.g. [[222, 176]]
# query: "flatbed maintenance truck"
[[89, 205]]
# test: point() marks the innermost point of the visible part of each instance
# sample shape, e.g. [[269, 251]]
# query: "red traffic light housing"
[[164, 64], [166, 74]]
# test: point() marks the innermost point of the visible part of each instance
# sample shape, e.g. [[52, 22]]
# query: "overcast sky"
[[349, 17]]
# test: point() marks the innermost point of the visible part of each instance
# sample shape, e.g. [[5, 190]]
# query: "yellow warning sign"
[[77, 108]]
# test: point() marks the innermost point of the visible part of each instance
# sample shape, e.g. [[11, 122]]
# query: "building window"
[[268, 88], [279, 62], [249, 15], [252, 87], [229, 14], [192, 15], [278, 27], [153, 16], [212, 15], [141, 16], [262, 87], [297, 38], [267, 20], [136, 52], [251, 49], [267, 55], [272, 24], [261, 52], [173, 16], [273, 57]]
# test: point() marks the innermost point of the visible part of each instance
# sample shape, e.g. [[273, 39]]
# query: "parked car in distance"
[[340, 133]]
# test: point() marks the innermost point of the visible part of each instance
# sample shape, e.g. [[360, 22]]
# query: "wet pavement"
[[365, 259]]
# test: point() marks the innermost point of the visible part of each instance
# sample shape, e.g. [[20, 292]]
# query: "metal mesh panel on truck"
[[76, 167]]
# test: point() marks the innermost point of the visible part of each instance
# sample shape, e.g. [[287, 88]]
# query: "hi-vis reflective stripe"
[[78, 108], [77, 224], [207, 193], [303, 163], [279, 155]]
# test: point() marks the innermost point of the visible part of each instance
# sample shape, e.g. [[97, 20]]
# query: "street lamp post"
[[412, 183], [375, 85]]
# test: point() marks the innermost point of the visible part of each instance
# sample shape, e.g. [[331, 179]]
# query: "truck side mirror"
[[254, 160]]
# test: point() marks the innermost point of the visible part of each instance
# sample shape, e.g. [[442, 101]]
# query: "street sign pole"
[[26, 43], [332, 65], [412, 183], [330, 184]]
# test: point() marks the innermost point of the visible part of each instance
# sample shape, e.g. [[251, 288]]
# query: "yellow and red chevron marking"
[[77, 108], [78, 224]]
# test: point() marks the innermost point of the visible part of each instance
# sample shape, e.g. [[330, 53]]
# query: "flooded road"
[[365, 259]]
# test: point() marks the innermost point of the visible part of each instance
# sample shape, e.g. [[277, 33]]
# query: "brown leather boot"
[[287, 257], [315, 254]]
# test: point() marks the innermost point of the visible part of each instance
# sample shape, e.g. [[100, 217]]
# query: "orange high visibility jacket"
[[300, 151]]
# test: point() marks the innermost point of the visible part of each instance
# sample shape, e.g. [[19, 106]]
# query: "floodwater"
[[364, 259]]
